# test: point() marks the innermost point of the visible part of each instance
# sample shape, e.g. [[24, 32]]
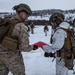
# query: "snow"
[[35, 62]]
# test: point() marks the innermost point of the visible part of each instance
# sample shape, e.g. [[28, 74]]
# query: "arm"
[[57, 43], [20, 31]]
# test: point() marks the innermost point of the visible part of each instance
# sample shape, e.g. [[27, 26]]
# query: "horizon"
[[39, 10]]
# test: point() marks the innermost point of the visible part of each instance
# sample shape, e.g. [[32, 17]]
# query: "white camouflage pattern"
[[58, 40]]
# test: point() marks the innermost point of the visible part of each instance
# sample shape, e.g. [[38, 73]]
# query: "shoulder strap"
[[68, 31], [68, 42], [13, 22]]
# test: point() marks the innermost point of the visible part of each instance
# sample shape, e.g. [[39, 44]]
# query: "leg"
[[3, 69], [64, 71], [15, 64], [45, 33], [32, 31], [60, 67]]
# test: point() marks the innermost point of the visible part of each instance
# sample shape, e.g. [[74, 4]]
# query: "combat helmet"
[[22, 7], [56, 18]]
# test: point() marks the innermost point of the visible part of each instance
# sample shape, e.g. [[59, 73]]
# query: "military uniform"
[[10, 59], [28, 30], [32, 28], [58, 41], [46, 29]]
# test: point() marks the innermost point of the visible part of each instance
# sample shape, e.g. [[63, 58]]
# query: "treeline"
[[39, 13], [50, 11], [37, 22]]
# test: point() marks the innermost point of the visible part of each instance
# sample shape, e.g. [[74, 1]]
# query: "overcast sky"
[[6, 5]]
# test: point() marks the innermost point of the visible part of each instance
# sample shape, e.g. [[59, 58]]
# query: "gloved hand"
[[52, 54], [49, 54], [35, 47], [46, 54]]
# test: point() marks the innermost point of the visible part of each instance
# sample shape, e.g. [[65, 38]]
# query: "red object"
[[40, 44]]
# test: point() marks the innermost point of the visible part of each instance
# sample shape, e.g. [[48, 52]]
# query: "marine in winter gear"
[[58, 42]]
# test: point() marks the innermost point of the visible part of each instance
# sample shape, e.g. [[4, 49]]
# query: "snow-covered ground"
[[35, 62]]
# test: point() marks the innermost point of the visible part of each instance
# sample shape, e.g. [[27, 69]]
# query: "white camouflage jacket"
[[58, 39]]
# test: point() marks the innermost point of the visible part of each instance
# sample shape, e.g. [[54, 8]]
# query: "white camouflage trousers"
[[45, 32], [61, 69]]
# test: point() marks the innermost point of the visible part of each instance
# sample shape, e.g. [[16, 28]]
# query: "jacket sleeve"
[[20, 30], [58, 40]]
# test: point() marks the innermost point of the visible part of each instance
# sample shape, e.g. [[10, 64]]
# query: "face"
[[24, 15], [54, 25]]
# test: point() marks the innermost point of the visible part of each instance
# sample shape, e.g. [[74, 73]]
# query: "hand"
[[35, 47], [52, 54], [46, 54], [49, 54]]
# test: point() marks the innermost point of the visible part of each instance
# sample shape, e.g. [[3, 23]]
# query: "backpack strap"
[[13, 22], [66, 50], [11, 42], [4, 27]]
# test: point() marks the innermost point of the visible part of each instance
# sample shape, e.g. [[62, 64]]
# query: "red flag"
[[40, 44]]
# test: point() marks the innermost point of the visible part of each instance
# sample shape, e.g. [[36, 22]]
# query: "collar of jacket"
[[64, 25]]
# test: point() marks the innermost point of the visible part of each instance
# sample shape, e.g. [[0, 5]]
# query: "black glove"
[[49, 54], [52, 54], [35, 47], [46, 54]]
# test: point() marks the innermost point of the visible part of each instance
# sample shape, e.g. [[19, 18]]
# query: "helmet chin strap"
[[21, 18], [54, 25]]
